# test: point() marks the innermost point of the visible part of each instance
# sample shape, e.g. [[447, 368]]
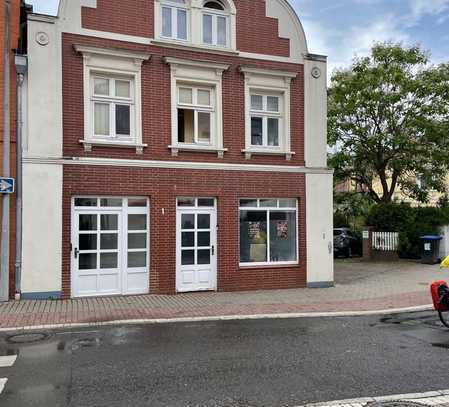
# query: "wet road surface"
[[267, 363]]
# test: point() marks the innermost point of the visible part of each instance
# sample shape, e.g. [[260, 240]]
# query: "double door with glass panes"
[[109, 247], [196, 247]]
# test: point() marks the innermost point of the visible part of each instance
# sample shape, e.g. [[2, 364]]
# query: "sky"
[[342, 29]]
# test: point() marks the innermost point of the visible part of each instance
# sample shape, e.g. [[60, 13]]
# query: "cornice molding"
[[112, 52], [196, 63]]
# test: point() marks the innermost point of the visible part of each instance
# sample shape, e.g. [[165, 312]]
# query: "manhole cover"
[[395, 404], [28, 338]]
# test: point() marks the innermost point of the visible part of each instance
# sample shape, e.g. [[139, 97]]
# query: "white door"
[[110, 246], [196, 250], [97, 253]]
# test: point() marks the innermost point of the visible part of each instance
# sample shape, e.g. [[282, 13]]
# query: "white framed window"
[[112, 107], [267, 112], [198, 23], [266, 115], [268, 231], [196, 98], [175, 20], [112, 97], [196, 115], [215, 24]]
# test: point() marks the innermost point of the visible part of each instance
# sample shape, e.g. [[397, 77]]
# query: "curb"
[[399, 397], [221, 318]]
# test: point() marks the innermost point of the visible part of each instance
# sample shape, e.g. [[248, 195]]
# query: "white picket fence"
[[385, 241]]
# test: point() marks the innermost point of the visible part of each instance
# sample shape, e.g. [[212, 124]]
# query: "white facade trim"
[[112, 162], [315, 111], [268, 72], [319, 229], [179, 62], [139, 57], [283, 11]]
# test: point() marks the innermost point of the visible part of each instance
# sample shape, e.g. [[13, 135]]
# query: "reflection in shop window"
[[268, 234]]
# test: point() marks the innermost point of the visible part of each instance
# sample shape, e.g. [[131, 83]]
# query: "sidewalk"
[[359, 287]]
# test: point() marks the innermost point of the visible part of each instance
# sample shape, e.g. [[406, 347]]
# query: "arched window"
[[216, 24], [174, 20], [201, 23], [215, 5]]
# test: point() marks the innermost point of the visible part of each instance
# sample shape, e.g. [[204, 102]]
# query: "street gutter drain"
[[28, 338], [395, 404]]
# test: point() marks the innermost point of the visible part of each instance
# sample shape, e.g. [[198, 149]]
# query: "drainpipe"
[[4, 245], [21, 69]]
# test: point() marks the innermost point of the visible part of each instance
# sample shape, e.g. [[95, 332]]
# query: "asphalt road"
[[269, 363]]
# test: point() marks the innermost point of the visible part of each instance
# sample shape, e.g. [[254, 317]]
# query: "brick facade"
[[256, 33], [162, 187], [156, 105]]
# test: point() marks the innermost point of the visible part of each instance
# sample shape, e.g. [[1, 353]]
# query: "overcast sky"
[[344, 28]]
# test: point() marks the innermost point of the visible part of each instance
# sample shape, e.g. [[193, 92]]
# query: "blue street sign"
[[6, 185]]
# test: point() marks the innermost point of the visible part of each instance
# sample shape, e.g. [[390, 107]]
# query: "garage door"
[[110, 246]]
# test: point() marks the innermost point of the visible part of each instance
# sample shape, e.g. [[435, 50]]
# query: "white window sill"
[[88, 144], [268, 265], [160, 42], [198, 148], [253, 151]]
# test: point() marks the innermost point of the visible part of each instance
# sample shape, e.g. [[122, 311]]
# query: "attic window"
[[215, 5]]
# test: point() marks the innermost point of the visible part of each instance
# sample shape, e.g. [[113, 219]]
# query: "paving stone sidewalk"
[[359, 287]]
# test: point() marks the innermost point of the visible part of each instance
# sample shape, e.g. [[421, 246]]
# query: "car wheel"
[[349, 252]]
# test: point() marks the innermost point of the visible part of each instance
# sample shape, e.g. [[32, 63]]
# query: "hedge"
[[410, 222]]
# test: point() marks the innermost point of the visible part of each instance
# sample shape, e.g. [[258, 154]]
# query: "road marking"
[[7, 361], [431, 398], [2, 384]]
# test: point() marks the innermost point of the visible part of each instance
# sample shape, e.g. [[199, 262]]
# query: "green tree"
[[389, 122]]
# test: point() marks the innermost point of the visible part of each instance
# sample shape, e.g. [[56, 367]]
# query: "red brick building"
[[174, 146]]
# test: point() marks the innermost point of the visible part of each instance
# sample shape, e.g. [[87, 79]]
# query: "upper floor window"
[[175, 19], [112, 97], [215, 24], [112, 105], [196, 115], [267, 112], [266, 119], [196, 99], [200, 23]]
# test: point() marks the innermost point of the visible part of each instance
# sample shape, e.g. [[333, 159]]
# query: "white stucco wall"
[[42, 228], [289, 27], [319, 218], [42, 183], [44, 101], [315, 110], [444, 244]]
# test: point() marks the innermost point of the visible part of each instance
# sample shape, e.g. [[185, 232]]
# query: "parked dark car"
[[346, 243]]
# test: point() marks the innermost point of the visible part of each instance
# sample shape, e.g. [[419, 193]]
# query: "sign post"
[[7, 185]]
